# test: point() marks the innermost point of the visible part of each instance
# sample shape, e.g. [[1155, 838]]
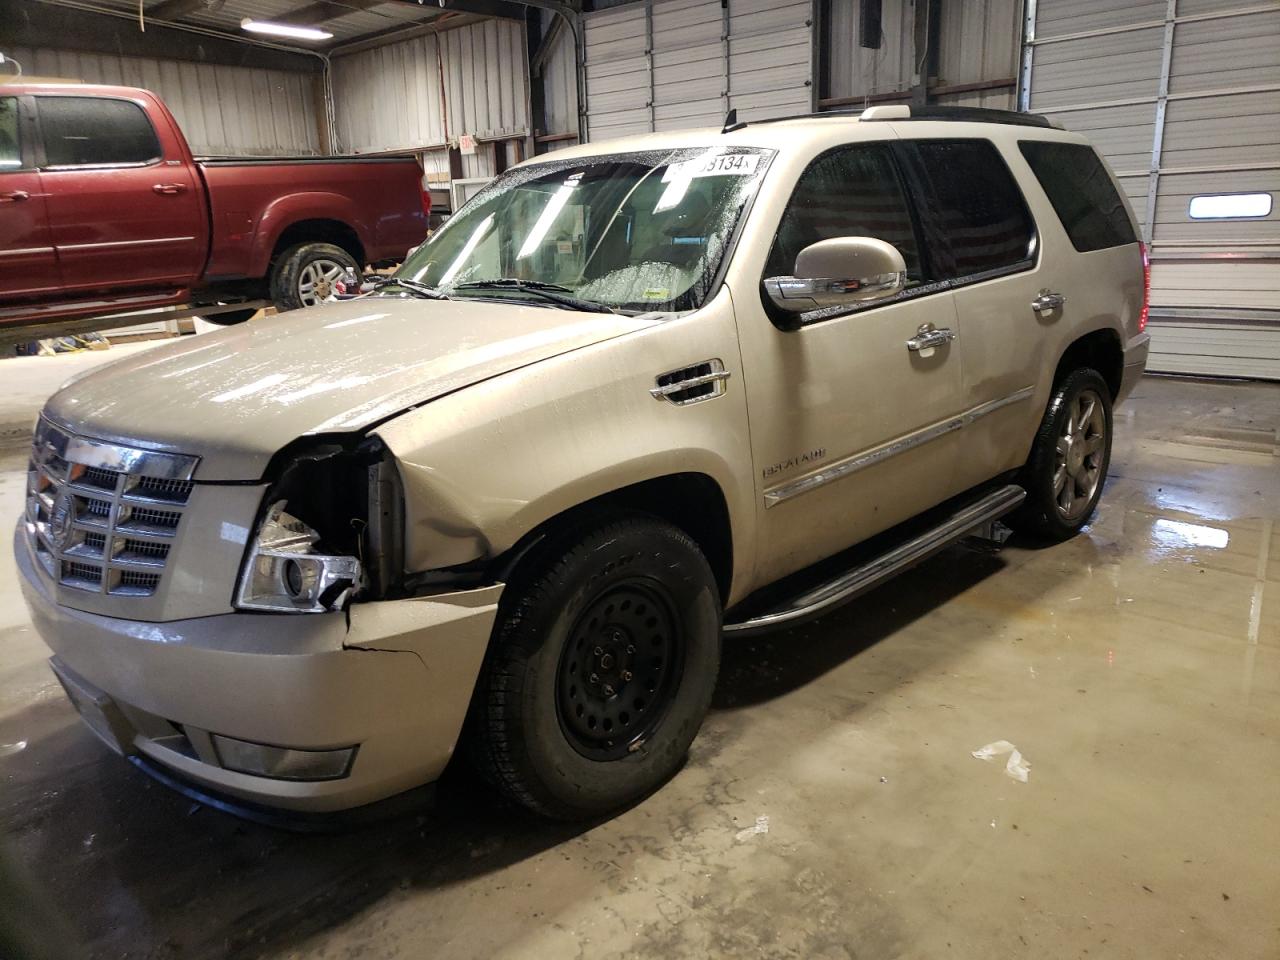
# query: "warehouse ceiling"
[[350, 21]]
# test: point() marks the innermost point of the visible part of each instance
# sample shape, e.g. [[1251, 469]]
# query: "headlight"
[[284, 573]]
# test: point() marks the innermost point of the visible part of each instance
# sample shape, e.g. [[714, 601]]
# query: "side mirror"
[[838, 272]]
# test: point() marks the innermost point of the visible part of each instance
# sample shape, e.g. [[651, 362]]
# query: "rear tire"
[[601, 668], [1067, 469], [303, 275]]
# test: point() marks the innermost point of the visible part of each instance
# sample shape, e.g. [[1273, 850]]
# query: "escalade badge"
[[809, 456], [61, 520]]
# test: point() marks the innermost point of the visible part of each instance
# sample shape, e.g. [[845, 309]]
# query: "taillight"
[[1146, 287]]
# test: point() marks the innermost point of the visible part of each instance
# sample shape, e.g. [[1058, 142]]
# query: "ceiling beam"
[[501, 9], [314, 14], [49, 25], [172, 9]]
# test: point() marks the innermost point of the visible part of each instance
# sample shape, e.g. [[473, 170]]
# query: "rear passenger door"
[[982, 241], [124, 210]]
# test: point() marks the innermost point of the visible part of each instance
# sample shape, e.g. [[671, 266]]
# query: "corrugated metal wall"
[[224, 110], [559, 85], [978, 43], [1183, 97], [858, 71], [673, 64], [391, 98]]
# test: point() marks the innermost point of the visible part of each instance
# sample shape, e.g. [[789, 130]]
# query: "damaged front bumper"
[[391, 687]]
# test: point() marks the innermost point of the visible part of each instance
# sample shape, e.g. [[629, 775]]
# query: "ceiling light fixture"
[[284, 30]]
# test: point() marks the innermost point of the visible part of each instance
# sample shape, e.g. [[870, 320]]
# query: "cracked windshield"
[[634, 232]]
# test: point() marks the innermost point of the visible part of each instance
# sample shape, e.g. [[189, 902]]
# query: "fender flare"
[[285, 211]]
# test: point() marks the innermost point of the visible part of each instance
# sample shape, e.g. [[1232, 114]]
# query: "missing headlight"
[[331, 530], [285, 573]]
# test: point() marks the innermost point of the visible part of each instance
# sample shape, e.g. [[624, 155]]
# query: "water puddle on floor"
[[1174, 537]]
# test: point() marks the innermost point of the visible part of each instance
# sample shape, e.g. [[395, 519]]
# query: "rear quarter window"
[[1082, 194]]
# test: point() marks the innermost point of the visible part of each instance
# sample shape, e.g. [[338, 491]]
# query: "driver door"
[[849, 426]]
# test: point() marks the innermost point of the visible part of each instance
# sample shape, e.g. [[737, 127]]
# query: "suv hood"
[[236, 396]]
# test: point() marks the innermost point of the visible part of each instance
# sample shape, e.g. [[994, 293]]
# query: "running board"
[[852, 583]]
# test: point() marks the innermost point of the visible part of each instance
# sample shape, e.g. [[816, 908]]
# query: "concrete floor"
[[831, 807]]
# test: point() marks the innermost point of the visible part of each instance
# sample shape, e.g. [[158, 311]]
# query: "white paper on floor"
[[761, 826], [1018, 767]]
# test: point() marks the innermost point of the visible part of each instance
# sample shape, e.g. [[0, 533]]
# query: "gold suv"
[[616, 409]]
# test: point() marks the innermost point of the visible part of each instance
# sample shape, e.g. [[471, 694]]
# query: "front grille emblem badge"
[[62, 519]]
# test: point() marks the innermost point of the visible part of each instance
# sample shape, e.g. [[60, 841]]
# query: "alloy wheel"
[[1081, 446], [316, 281]]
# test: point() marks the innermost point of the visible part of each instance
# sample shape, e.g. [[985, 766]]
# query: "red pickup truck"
[[104, 210]]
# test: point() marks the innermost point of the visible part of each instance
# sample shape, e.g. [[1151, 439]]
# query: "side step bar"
[[860, 579]]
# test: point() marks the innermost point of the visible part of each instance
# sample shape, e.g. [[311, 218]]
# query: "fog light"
[[282, 763]]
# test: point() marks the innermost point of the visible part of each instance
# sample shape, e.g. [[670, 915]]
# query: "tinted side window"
[[1083, 196], [89, 130], [847, 192], [10, 145], [973, 214]]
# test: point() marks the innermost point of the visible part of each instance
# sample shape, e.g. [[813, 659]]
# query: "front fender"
[[488, 464]]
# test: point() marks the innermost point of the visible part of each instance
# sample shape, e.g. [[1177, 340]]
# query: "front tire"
[[304, 275], [602, 666], [1069, 459]]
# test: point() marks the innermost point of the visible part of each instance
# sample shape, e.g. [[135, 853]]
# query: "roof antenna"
[[731, 121]]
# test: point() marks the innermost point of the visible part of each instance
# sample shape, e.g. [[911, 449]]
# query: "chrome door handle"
[[169, 188], [1048, 301], [930, 336], [14, 196]]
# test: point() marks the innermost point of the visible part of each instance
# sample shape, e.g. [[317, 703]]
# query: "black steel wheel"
[[624, 656], [601, 668]]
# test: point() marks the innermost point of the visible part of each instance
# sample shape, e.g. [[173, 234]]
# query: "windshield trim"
[[553, 166]]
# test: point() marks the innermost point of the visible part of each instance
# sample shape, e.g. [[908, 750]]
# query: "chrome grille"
[[101, 517]]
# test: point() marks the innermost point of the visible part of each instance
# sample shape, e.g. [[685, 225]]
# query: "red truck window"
[[83, 131]]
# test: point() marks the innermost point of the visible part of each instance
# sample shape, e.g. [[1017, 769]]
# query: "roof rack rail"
[[978, 115], [900, 112]]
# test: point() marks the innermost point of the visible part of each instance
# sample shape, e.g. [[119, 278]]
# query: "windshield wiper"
[[551, 292], [417, 288]]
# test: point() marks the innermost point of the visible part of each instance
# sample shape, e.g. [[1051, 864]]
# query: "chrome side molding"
[[860, 461]]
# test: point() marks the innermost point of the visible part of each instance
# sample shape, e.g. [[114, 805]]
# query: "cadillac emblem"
[[61, 520]]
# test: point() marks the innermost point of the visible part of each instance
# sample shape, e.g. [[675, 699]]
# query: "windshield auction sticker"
[[716, 165]]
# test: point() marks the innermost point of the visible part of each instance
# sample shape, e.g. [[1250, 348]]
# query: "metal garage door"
[[1183, 97], [674, 64]]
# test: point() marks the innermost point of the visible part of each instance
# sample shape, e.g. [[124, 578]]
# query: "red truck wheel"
[[304, 275]]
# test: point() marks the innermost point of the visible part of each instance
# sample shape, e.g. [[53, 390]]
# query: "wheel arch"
[[320, 230], [1100, 349], [693, 502], [313, 216]]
